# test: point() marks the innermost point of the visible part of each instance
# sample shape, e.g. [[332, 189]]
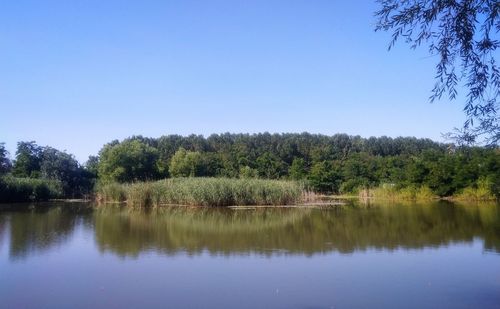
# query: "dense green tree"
[[186, 163], [63, 167], [92, 165], [55, 164], [441, 175], [130, 160], [298, 169], [230, 166], [211, 164], [416, 171], [5, 164], [325, 177], [359, 171], [270, 166], [60, 170], [28, 159]]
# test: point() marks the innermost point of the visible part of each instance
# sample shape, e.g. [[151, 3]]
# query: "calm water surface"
[[408, 256]]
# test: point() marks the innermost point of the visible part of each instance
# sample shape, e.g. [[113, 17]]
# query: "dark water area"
[[438, 255]]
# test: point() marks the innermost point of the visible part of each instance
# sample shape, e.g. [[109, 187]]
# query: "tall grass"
[[112, 192], [15, 189], [482, 191], [391, 192], [203, 192]]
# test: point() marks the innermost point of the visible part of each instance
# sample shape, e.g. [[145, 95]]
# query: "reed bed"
[[15, 189], [203, 192]]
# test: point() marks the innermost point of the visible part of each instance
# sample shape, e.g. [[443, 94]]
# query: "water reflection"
[[296, 231], [39, 229], [3, 232], [267, 232], [219, 231]]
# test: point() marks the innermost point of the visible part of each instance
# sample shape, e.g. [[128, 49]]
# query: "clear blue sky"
[[77, 74]]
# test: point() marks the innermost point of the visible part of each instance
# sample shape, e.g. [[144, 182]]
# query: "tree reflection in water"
[[267, 231]]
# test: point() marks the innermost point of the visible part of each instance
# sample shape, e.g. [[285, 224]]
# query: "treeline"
[[264, 155], [332, 164], [41, 173]]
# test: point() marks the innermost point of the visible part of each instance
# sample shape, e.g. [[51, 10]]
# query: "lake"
[[438, 255]]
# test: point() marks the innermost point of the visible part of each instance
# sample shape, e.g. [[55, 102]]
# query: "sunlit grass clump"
[[203, 192], [391, 192], [481, 191]]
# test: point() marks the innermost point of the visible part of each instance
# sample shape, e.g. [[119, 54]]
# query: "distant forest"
[[338, 164]]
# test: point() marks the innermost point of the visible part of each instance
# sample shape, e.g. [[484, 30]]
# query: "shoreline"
[[310, 200]]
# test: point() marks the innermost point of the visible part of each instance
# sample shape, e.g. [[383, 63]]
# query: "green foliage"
[[28, 160], [15, 189], [130, 160], [63, 167], [411, 193], [92, 165], [270, 166], [47, 163], [325, 177], [203, 192], [424, 193], [328, 164], [211, 164], [298, 170], [482, 190], [362, 171], [5, 164], [248, 172], [463, 35], [186, 164], [332, 164], [111, 192], [352, 186]]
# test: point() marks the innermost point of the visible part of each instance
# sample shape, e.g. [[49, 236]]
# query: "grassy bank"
[[390, 192], [15, 189], [203, 192], [481, 191]]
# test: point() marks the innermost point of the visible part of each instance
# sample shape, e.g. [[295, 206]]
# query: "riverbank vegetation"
[[338, 164], [203, 192], [397, 168], [16, 189], [42, 173], [481, 191], [391, 192]]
